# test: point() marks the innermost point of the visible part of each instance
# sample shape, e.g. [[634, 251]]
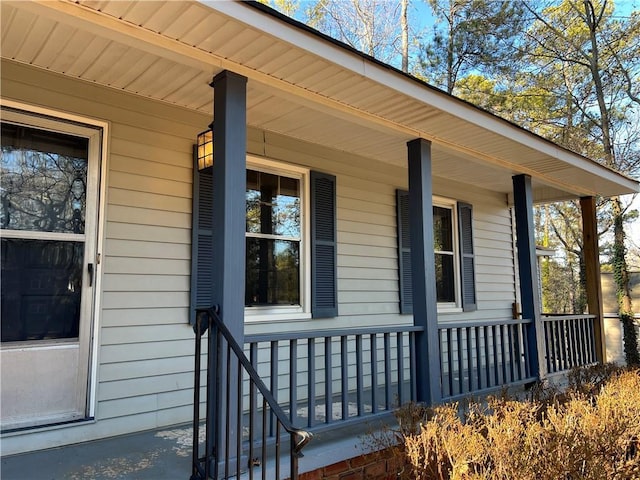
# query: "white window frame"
[[288, 312], [448, 203]]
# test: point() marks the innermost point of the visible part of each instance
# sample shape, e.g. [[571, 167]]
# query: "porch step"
[[329, 446]]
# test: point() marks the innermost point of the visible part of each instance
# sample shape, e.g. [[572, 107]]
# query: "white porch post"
[[425, 300], [527, 263]]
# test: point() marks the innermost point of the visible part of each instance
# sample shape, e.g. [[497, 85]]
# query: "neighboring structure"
[[612, 324], [324, 160]]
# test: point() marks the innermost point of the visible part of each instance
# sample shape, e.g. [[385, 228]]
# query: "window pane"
[[253, 202], [43, 180], [41, 287], [445, 281], [287, 211], [442, 229], [273, 272], [273, 204]]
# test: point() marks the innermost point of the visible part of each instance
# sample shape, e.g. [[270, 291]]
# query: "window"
[[444, 241], [43, 194], [290, 237], [453, 254], [275, 274]]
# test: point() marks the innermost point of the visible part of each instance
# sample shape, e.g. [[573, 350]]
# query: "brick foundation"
[[373, 466]]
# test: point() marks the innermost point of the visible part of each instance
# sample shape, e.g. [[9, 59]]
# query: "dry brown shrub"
[[586, 434]]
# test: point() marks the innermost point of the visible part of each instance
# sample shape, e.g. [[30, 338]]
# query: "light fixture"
[[205, 149]]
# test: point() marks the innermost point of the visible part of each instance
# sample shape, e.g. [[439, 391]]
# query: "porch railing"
[[337, 376], [325, 378], [250, 429], [480, 357], [569, 340]]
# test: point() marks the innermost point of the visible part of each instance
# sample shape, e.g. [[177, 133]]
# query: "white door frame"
[[96, 183]]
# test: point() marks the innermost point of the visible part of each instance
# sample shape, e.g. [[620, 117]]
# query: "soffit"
[[169, 51]]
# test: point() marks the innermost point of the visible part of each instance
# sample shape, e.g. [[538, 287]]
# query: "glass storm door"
[[48, 210]]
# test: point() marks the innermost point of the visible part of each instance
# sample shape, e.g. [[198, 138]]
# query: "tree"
[[469, 36], [379, 28], [597, 56], [404, 29]]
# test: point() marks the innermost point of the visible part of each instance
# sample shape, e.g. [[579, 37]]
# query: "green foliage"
[[468, 36], [630, 336], [579, 53]]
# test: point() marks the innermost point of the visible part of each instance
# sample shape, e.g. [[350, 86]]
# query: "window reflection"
[[442, 233], [273, 204], [273, 272], [444, 255], [445, 280], [43, 182], [273, 239]]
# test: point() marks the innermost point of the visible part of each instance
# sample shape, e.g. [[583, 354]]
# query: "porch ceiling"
[[298, 85]]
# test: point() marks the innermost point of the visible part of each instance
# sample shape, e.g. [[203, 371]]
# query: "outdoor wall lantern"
[[205, 149]]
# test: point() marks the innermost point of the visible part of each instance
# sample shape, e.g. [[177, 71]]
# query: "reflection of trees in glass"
[[442, 234], [272, 272], [287, 265], [42, 190], [273, 239], [443, 246], [273, 204]]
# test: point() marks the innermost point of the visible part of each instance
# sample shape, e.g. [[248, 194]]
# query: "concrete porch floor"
[[159, 454], [163, 454]]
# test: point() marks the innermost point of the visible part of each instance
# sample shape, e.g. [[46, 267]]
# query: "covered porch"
[[272, 386]]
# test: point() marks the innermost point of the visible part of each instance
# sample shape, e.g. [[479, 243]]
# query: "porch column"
[[229, 203], [591, 254], [229, 217], [425, 302], [527, 263]]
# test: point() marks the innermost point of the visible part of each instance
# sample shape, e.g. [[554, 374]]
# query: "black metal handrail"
[[208, 466]]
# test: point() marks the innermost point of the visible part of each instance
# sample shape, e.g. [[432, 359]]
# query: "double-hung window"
[[276, 250], [444, 249], [453, 254], [290, 240]]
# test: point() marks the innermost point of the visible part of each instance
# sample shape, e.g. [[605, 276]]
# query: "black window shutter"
[[404, 252], [465, 220], [201, 241], [324, 301]]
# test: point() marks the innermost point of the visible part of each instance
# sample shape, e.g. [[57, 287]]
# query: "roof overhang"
[[300, 84]]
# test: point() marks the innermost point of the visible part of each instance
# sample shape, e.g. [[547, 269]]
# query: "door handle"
[[90, 270]]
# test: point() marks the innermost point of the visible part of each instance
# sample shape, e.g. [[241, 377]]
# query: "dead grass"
[[592, 431]]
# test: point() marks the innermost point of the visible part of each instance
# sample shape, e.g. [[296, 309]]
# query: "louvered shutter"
[[465, 228], [324, 302], [404, 252], [201, 241]]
